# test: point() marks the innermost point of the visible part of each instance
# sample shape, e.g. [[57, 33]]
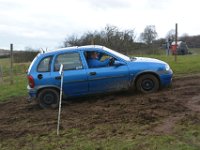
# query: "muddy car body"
[[144, 74]]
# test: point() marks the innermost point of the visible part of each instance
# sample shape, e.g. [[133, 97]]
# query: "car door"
[[75, 77], [109, 78]]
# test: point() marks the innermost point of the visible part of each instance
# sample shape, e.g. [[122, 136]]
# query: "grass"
[[18, 88], [18, 68], [187, 64], [187, 137], [195, 51]]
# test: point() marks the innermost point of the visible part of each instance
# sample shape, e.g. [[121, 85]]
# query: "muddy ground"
[[165, 108]]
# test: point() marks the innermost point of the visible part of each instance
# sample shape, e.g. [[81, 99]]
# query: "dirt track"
[[166, 107]]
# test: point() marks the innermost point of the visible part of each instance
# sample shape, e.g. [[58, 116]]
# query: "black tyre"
[[48, 98], [147, 83]]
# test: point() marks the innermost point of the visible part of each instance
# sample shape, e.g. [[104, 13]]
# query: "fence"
[[18, 69], [16, 64], [1, 74]]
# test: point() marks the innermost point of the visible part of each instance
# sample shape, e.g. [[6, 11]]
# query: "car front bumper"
[[166, 78]]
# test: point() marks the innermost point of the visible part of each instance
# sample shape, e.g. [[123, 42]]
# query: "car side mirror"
[[118, 63]]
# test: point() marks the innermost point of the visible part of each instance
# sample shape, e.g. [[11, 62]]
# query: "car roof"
[[75, 48]]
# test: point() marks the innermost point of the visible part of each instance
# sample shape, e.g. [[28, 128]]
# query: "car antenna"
[[42, 50]]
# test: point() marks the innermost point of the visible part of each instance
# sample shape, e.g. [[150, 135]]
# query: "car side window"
[[44, 65], [97, 59], [70, 61]]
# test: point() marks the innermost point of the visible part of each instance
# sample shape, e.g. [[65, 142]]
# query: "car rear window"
[[70, 61], [44, 65]]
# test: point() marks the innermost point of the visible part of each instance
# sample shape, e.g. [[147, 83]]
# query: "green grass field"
[[18, 88], [187, 64]]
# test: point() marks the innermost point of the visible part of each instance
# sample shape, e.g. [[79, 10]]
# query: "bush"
[[24, 56]]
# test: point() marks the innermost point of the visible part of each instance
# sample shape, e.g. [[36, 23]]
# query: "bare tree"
[[110, 36], [149, 34], [184, 37], [171, 35], [71, 41]]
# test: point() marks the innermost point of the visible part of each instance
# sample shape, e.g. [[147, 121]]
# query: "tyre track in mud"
[[19, 118]]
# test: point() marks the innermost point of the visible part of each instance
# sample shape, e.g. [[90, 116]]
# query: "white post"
[[60, 102]]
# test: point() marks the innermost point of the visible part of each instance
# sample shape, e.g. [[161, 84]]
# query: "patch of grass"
[[194, 50], [163, 142], [18, 68], [4, 61], [88, 139], [188, 130], [185, 64], [73, 139], [18, 88]]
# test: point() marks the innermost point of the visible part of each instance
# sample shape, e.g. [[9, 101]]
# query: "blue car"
[[84, 74]]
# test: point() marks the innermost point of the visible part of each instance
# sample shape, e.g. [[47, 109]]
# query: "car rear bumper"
[[32, 94], [30, 99]]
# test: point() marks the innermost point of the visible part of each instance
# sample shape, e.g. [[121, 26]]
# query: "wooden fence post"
[[176, 40], [1, 74], [11, 64]]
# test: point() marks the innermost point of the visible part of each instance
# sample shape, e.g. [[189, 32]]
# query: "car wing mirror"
[[119, 63]]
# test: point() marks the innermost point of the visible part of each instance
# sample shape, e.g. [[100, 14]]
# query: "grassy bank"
[[187, 64], [18, 88]]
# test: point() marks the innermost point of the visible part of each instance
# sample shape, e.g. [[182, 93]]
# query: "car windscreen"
[[117, 54]]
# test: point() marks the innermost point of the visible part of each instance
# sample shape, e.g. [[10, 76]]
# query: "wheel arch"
[[48, 87], [144, 73]]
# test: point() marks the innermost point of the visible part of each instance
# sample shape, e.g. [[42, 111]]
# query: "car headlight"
[[167, 67]]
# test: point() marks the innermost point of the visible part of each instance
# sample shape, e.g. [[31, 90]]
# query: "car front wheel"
[[147, 83], [48, 98]]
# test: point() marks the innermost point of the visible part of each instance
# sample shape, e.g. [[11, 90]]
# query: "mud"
[[162, 109]]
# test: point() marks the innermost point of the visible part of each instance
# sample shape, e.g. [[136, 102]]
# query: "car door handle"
[[93, 73], [58, 77], [40, 76]]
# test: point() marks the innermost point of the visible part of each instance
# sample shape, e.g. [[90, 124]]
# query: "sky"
[[47, 23]]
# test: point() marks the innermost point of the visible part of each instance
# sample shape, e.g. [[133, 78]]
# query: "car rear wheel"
[[48, 98], [147, 83]]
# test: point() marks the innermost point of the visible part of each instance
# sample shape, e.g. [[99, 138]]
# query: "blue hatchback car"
[[81, 77]]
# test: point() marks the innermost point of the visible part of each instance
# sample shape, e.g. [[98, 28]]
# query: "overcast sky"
[[46, 23]]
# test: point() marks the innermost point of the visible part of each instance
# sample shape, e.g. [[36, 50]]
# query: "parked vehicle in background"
[[180, 49], [146, 75]]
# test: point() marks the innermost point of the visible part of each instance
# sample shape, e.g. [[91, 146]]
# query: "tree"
[[72, 41], [184, 37], [171, 35], [110, 36], [149, 34]]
